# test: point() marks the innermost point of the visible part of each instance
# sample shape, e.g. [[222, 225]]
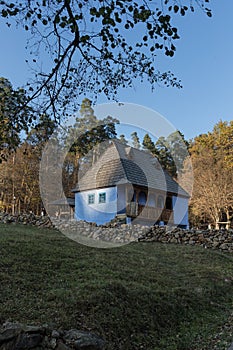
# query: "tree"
[[135, 140], [13, 118], [41, 132], [122, 139], [212, 198], [19, 187], [148, 144], [178, 148], [89, 131], [164, 155], [223, 132], [186, 176], [172, 152], [90, 47], [87, 136]]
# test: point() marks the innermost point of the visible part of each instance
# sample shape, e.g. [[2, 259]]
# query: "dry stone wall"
[[123, 233], [214, 239], [17, 336]]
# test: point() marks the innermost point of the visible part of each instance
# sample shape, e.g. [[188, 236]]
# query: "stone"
[[28, 341], [84, 340], [9, 331], [53, 343], [55, 334], [33, 329], [224, 246], [62, 346], [23, 337], [216, 244]]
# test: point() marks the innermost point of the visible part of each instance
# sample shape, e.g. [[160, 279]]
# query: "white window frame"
[[91, 198], [100, 200]]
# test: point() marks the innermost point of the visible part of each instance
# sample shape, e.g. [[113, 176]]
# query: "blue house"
[[130, 183]]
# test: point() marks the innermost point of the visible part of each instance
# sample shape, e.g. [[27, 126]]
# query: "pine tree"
[[88, 136], [122, 139], [148, 144], [135, 140], [164, 156]]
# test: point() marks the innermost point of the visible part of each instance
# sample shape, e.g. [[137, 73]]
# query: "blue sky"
[[203, 61]]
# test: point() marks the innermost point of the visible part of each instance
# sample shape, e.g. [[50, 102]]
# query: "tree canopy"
[[14, 117], [135, 140], [87, 137], [95, 47], [88, 131], [171, 151], [211, 155]]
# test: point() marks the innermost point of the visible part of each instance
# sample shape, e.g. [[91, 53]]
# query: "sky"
[[203, 61]]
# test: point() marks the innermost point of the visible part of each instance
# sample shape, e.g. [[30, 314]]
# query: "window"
[[102, 197], [91, 198]]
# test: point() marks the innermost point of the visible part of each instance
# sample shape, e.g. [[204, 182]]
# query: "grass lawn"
[[140, 296]]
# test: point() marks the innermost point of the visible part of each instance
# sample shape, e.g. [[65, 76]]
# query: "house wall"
[[100, 213], [180, 207], [121, 200]]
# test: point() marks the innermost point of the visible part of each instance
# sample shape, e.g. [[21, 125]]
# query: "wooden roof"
[[63, 201], [121, 164]]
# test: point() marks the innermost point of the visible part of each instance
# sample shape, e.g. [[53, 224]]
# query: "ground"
[[149, 296]]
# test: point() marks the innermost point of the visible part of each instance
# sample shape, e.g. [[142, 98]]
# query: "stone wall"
[[122, 233], [17, 336], [25, 219], [214, 239]]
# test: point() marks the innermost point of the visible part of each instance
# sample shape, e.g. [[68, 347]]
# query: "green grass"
[[140, 296]]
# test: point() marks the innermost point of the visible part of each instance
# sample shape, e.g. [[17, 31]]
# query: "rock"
[[62, 346], [9, 331], [53, 343], [83, 340], [216, 244], [23, 337], [55, 334], [224, 246], [28, 341]]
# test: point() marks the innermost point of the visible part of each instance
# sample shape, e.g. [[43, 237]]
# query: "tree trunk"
[[228, 219]]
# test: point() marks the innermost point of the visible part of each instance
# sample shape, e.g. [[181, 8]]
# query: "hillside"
[[149, 296]]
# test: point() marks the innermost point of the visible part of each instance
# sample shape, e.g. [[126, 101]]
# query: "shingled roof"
[[121, 164]]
